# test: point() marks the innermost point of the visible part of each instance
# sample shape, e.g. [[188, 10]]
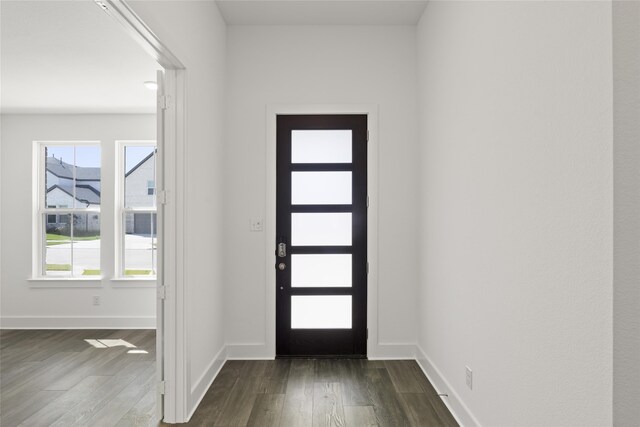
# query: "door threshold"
[[325, 356]]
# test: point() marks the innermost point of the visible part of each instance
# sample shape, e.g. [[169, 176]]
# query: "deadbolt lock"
[[282, 250]]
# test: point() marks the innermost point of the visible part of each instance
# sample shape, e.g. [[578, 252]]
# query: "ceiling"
[[70, 57], [322, 12]]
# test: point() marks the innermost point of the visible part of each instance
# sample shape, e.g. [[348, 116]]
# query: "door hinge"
[[367, 201], [367, 135], [162, 197], [164, 102], [367, 267], [162, 292], [367, 333], [162, 387]]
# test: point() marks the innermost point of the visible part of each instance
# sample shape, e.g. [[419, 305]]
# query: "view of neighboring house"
[[60, 193], [139, 193]]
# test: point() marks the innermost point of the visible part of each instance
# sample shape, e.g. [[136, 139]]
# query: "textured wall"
[[517, 196], [626, 132]]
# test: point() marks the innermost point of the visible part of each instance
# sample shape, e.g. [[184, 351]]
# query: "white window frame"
[[121, 210], [41, 211]]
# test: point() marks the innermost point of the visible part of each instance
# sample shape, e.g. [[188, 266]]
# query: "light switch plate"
[[469, 377]]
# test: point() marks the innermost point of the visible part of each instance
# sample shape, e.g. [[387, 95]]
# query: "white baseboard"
[[201, 386], [77, 322], [397, 351], [456, 406], [248, 352], [259, 351]]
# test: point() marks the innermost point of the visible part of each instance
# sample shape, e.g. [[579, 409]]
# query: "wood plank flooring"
[[56, 378], [321, 392]]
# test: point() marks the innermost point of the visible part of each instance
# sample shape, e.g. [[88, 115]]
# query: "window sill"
[[70, 282]]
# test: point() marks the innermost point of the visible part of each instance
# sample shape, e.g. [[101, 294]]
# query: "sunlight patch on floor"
[[109, 343]]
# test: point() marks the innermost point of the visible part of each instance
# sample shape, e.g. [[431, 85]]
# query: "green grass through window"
[[58, 267], [54, 237], [130, 272], [58, 239], [91, 273]]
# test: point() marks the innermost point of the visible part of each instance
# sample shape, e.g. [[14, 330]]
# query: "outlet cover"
[[96, 300]]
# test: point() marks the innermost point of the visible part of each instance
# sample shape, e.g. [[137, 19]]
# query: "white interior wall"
[[516, 212], [195, 33], [626, 131], [303, 65], [45, 304]]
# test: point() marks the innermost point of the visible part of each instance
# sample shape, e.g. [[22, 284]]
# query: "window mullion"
[[71, 227]]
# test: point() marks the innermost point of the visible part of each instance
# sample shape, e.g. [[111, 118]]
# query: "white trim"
[[394, 351], [201, 386], [39, 208], [78, 322], [261, 351], [120, 210], [453, 401], [174, 248], [249, 351], [371, 110], [141, 33], [65, 279]]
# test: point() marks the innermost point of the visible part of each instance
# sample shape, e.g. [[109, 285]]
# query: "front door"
[[321, 233]]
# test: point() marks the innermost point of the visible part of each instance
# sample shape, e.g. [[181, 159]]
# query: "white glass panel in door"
[[320, 270], [321, 146], [321, 188], [321, 229], [321, 312]]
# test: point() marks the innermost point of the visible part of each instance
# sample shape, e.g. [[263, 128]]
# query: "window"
[[52, 219], [68, 209], [151, 188], [137, 218]]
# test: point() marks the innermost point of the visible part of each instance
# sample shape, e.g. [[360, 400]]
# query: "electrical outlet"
[[96, 300], [469, 377], [256, 224]]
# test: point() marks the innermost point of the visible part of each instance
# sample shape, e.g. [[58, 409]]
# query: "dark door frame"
[[351, 342]]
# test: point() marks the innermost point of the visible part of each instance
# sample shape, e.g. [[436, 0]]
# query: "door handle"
[[282, 250]]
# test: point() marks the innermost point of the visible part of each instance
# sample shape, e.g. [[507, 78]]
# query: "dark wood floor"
[[299, 393], [54, 377]]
